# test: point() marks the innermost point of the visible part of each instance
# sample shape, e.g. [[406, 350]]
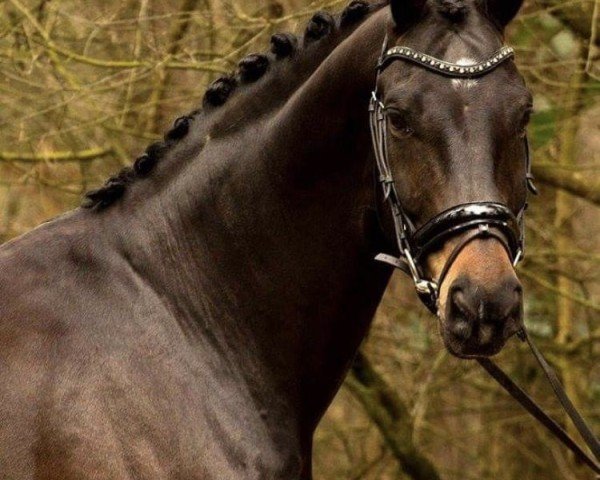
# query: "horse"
[[194, 318]]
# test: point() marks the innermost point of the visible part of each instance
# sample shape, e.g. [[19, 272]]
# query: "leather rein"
[[470, 221]]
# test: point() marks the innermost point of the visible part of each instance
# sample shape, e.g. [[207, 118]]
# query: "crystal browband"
[[447, 68]]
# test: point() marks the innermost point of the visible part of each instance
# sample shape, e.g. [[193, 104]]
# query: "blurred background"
[[86, 86]]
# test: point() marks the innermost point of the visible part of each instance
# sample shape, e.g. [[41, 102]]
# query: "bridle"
[[476, 219], [468, 222]]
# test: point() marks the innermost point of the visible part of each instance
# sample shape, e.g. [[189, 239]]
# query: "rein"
[[474, 220]]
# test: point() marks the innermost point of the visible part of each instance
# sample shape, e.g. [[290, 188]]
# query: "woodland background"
[[85, 86]]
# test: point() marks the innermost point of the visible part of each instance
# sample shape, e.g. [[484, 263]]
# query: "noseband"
[[474, 220]]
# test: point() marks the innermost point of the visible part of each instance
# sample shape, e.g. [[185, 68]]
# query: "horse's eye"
[[525, 121], [399, 123]]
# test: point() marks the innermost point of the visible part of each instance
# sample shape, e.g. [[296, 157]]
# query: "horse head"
[[449, 116]]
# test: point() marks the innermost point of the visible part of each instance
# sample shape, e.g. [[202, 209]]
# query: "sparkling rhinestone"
[[472, 70], [442, 66], [432, 62], [452, 69], [480, 68]]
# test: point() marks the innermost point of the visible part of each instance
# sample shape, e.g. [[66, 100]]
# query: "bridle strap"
[[482, 232], [462, 218], [580, 424], [534, 409], [442, 67]]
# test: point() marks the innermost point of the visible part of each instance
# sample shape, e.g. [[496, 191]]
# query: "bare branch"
[[577, 183], [391, 416], [66, 156]]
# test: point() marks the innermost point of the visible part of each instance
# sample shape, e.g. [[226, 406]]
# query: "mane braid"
[[253, 67]]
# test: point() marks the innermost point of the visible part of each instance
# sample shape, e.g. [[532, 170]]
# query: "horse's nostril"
[[461, 304], [461, 317], [507, 302], [462, 329]]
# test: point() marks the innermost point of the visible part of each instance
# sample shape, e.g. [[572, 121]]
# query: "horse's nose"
[[482, 317]]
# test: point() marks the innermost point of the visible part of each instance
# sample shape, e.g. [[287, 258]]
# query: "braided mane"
[[251, 69]]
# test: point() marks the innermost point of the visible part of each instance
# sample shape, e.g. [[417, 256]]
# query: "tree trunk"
[[387, 410]]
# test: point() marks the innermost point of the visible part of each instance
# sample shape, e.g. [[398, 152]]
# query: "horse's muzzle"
[[478, 320]]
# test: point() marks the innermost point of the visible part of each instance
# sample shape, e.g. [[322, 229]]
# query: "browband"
[[448, 69]]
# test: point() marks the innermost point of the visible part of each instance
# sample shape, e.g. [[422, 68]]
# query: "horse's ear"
[[407, 12], [502, 11]]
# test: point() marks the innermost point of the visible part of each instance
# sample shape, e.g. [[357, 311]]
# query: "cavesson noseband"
[[475, 220]]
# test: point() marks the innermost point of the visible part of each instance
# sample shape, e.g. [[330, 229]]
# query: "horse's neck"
[[263, 249]]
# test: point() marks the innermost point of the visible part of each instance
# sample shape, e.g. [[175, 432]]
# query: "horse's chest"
[[106, 427]]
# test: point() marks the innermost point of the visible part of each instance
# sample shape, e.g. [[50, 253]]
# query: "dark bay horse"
[[195, 319]]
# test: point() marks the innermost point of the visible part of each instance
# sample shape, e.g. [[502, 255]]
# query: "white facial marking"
[[466, 83]]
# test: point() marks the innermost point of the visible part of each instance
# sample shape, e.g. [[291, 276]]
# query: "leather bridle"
[[466, 222], [476, 219]]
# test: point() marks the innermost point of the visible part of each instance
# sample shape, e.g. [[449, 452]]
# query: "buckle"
[[428, 293], [518, 257], [426, 287]]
